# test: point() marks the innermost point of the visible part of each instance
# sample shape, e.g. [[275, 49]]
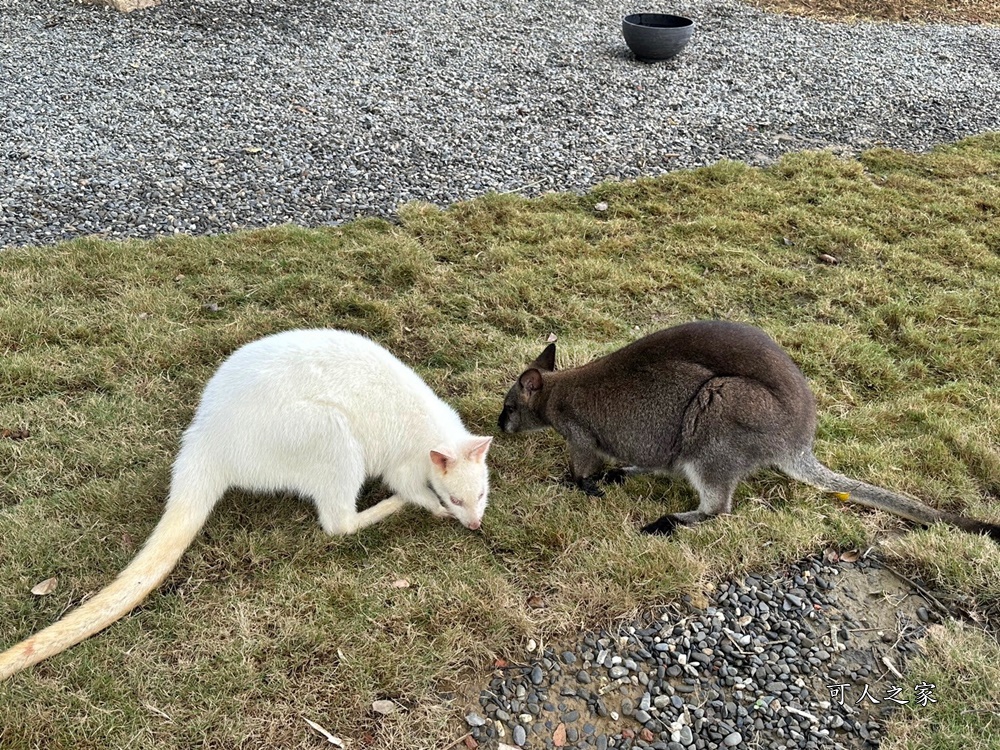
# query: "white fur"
[[313, 412], [316, 412]]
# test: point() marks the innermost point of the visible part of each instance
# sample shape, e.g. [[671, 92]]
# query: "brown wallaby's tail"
[[177, 528], [808, 469]]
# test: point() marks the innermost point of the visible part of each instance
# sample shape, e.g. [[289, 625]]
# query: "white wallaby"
[[314, 412]]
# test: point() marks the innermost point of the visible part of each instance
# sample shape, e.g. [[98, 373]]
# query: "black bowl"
[[656, 36]]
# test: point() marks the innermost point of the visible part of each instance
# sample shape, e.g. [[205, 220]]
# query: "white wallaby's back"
[[314, 412]]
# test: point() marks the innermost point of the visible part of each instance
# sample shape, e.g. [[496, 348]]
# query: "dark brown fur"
[[712, 401]]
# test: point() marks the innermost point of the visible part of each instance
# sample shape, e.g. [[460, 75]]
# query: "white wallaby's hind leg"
[[342, 468]]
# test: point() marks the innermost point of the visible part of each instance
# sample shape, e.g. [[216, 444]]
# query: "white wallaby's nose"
[[474, 524]]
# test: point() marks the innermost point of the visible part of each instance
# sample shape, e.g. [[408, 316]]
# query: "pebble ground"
[[804, 659], [202, 116]]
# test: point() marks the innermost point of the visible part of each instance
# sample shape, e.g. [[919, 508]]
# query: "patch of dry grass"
[[916, 11], [266, 622], [963, 665]]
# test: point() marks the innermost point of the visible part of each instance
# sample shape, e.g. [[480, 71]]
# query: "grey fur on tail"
[[807, 468]]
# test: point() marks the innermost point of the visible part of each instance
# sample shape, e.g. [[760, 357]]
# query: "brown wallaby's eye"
[[455, 500]]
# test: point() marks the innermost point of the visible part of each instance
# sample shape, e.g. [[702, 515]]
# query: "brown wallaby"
[[712, 401]]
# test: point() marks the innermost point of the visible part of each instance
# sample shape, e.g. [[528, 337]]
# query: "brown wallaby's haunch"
[[712, 401]]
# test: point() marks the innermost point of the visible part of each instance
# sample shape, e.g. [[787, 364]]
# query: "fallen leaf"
[[828, 259], [831, 555], [253, 149], [551, 339], [470, 742], [158, 712], [850, 556], [559, 736], [500, 663], [211, 307], [602, 206], [179, 277], [18, 433], [645, 735], [787, 242], [535, 601], [45, 587], [628, 734], [384, 707], [329, 737], [401, 583]]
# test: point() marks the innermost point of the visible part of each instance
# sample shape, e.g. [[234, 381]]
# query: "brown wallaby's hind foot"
[[666, 525], [613, 476], [663, 526], [589, 485]]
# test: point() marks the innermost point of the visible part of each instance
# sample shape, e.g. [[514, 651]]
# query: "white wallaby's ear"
[[442, 458], [475, 449]]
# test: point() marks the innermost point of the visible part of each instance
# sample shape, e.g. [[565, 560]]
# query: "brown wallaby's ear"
[[531, 380], [546, 361], [442, 459]]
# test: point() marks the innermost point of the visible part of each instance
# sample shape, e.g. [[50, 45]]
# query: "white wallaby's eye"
[[455, 500]]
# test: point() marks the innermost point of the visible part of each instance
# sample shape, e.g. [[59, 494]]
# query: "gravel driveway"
[[208, 115]]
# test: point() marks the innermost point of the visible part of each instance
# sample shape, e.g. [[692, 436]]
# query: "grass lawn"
[[267, 622]]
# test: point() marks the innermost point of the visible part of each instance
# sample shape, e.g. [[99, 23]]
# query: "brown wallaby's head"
[[522, 406]]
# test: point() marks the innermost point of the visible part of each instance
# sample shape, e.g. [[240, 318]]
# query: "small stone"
[[519, 735], [732, 740], [474, 720], [537, 675]]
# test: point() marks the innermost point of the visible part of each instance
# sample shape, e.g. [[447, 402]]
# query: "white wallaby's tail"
[[809, 470], [177, 528]]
